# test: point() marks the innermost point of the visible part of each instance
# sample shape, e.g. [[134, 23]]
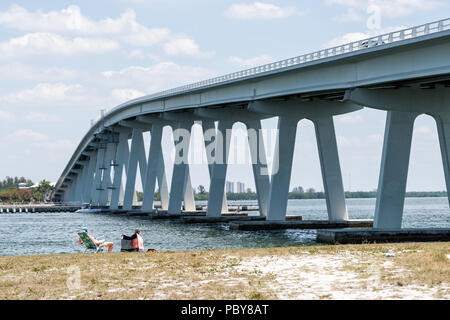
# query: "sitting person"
[[137, 243], [109, 245]]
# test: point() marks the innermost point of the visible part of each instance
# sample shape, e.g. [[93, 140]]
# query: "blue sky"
[[61, 62]]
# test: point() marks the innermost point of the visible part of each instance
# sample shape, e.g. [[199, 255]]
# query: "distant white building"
[[229, 187], [23, 185], [240, 187]]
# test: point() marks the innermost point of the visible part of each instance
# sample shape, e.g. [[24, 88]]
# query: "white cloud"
[[259, 10], [39, 140], [423, 130], [72, 21], [251, 62], [375, 138], [139, 54], [55, 95], [351, 15], [356, 36], [26, 135], [24, 72], [59, 144], [44, 44], [5, 115], [389, 8], [184, 47], [42, 117], [123, 95], [350, 119], [161, 76], [42, 92]]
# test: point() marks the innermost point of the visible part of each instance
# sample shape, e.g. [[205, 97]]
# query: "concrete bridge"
[[406, 73]]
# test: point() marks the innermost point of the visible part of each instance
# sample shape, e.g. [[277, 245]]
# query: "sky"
[[61, 62]]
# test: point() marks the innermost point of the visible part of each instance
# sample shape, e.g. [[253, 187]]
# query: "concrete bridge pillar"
[[78, 184], [403, 106], [162, 183], [90, 176], [259, 163], [289, 114], [443, 126], [180, 178], [209, 138], [98, 176], [70, 191], [219, 168], [157, 124], [281, 176], [153, 166], [331, 169], [137, 154], [394, 169], [106, 183], [84, 177], [228, 117], [120, 161]]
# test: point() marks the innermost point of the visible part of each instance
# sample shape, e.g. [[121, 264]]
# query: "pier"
[[39, 208]]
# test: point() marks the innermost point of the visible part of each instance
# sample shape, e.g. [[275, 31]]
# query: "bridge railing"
[[381, 40]]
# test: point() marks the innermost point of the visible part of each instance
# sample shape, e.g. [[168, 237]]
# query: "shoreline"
[[416, 271]]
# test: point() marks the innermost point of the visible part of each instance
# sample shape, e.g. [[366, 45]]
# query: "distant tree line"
[[10, 193], [11, 183], [299, 193]]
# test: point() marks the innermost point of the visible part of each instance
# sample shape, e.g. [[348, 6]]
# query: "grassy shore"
[[417, 271]]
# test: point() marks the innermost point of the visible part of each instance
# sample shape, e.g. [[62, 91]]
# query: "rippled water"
[[51, 233]]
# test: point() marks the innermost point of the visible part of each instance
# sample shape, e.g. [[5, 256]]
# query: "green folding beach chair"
[[90, 246]]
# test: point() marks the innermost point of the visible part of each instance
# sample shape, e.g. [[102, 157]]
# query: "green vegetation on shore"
[[10, 193]]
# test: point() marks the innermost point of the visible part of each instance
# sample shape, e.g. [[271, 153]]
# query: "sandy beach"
[[376, 271]]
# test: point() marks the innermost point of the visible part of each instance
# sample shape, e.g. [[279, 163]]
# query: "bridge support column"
[[394, 169], [137, 152], [84, 177], [162, 183], [209, 138], [219, 169], [121, 160], [153, 166], [189, 200], [89, 182], [443, 126], [67, 193], [182, 138], [71, 191], [281, 178], [98, 176], [331, 169], [321, 113], [78, 189], [259, 164], [106, 180], [403, 106]]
